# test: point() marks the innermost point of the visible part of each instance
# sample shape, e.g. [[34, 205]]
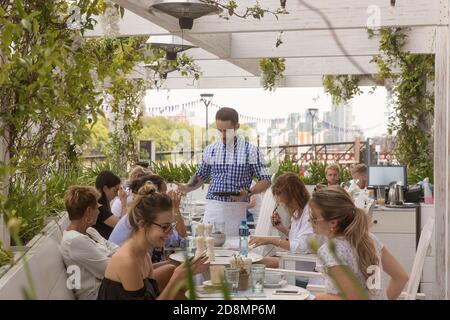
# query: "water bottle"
[[428, 194], [243, 238]]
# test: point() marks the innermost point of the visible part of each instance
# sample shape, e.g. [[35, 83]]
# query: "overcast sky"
[[369, 110]]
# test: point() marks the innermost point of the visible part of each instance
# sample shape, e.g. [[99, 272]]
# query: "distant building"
[[339, 124]]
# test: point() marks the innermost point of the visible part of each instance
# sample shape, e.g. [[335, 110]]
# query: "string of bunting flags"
[[195, 104]]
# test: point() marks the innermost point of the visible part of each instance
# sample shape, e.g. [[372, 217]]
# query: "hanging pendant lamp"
[[185, 10], [170, 44]]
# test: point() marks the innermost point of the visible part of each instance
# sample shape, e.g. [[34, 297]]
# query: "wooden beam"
[[330, 65], [312, 15], [247, 82], [348, 42], [442, 162]]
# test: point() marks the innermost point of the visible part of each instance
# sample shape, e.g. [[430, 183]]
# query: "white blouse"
[[300, 233], [91, 254], [346, 255]]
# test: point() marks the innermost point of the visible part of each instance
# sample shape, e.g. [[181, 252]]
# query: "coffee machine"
[[396, 195]]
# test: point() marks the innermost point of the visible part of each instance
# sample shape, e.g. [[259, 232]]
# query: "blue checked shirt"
[[231, 170]]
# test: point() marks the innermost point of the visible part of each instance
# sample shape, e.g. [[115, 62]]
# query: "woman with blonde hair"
[[290, 191], [354, 249], [129, 274]]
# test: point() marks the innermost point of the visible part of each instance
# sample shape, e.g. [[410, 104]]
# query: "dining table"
[[284, 292]]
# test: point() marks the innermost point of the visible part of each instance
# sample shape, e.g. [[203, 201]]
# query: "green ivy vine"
[[256, 11], [412, 92], [271, 72], [53, 84], [342, 88]]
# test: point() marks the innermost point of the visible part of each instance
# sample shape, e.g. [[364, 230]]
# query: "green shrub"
[[6, 256], [173, 172]]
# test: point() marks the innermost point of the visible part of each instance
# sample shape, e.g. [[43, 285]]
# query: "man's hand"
[[242, 197], [194, 183], [182, 188]]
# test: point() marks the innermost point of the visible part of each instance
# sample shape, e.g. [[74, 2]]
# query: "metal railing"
[[340, 152]]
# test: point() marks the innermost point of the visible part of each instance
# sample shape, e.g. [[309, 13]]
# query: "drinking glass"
[[257, 273], [216, 271], [381, 197], [232, 278], [218, 227], [191, 246]]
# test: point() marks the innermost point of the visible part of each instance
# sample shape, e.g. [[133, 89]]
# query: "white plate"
[[210, 284], [223, 253], [280, 284]]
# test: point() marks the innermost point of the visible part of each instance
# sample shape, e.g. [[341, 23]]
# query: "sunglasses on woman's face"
[[166, 227]]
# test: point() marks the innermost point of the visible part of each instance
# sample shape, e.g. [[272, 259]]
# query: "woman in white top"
[[117, 206], [353, 248], [291, 192], [83, 249]]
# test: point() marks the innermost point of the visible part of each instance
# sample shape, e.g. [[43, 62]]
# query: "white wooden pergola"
[[229, 51]]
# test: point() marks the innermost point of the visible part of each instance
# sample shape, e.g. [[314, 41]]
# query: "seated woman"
[[108, 184], [334, 215], [129, 274], [123, 229], [117, 207], [83, 246], [291, 192]]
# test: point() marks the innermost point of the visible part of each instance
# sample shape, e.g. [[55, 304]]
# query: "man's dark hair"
[[228, 114]]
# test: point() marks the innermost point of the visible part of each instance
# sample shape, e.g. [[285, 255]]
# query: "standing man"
[[231, 164]]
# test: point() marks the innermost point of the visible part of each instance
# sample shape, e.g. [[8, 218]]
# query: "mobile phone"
[[226, 194], [193, 259], [286, 292]]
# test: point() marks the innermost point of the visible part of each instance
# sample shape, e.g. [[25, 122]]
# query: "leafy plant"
[[90, 173], [173, 172], [412, 100], [56, 185], [342, 88], [257, 12], [315, 173], [26, 203], [287, 166], [272, 72], [6, 256]]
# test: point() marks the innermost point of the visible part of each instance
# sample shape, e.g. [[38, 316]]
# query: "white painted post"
[[442, 161]]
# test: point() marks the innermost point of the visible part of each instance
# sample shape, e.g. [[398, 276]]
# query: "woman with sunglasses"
[[129, 274], [335, 216], [290, 192]]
